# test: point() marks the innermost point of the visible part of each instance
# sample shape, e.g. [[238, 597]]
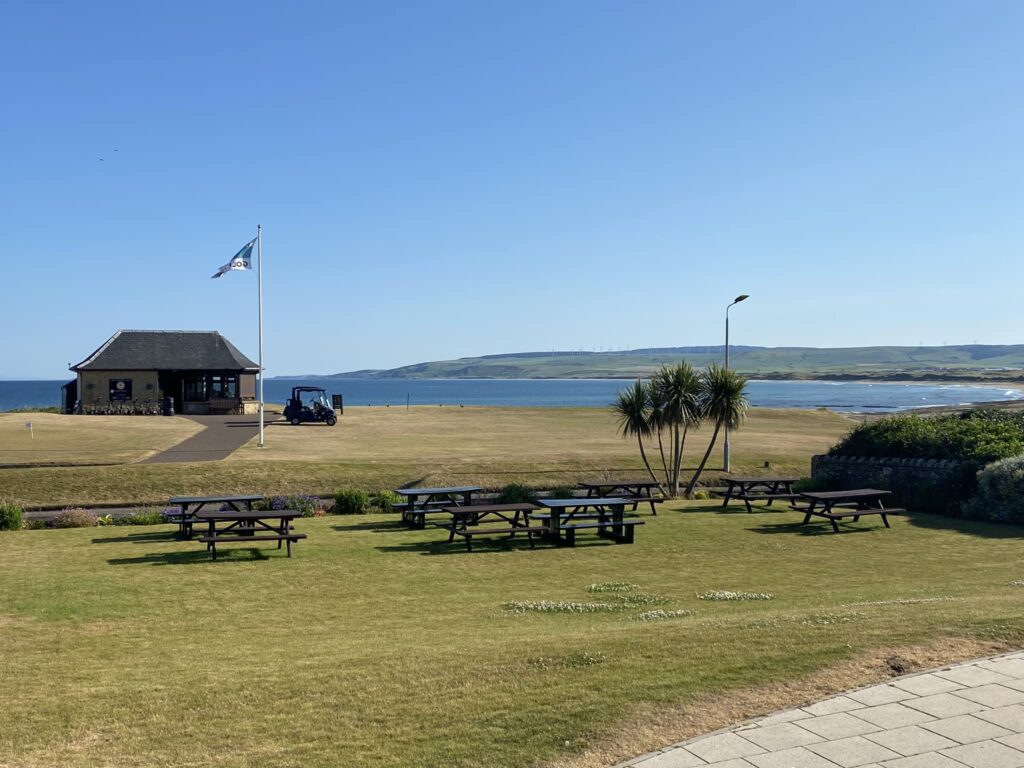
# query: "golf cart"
[[309, 404]]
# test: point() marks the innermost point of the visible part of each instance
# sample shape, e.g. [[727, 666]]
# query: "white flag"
[[241, 260]]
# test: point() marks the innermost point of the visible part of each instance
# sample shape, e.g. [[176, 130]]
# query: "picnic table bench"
[[434, 501], [566, 516], [248, 526], [749, 489], [636, 491], [191, 505], [834, 506], [490, 520]]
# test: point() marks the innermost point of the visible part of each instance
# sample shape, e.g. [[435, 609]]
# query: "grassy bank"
[[132, 648], [375, 448]]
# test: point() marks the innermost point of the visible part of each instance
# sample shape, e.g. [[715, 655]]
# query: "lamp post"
[[737, 300]]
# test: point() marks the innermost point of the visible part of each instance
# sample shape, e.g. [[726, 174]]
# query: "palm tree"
[[677, 391], [632, 406], [724, 402]]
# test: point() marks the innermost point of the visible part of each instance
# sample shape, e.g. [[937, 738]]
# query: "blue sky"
[[441, 179]]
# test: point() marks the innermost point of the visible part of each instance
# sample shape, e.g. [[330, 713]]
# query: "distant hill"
[[972, 361]]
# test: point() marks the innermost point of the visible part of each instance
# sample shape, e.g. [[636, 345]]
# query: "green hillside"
[[975, 361]]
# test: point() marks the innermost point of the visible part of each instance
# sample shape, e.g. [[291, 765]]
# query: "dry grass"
[[60, 439], [375, 448]]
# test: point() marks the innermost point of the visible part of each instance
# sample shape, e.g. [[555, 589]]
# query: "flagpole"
[[259, 284]]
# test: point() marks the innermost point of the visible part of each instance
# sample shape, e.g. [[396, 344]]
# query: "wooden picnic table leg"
[[553, 526], [618, 513], [835, 523], [809, 511], [745, 491], [728, 493]]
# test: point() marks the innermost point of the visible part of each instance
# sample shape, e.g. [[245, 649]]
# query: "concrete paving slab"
[[968, 715]]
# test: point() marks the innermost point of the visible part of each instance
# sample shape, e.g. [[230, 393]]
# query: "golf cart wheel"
[[331, 421], [296, 421]]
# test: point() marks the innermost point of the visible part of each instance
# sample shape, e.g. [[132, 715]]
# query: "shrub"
[[1000, 494], [350, 501], [516, 493], [142, 517], [562, 492], [384, 500], [973, 436], [75, 517], [11, 516]]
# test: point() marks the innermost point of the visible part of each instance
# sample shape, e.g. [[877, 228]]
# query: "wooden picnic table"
[[248, 526], [196, 503], [836, 505], [749, 489], [639, 491], [566, 516], [415, 510], [497, 518]]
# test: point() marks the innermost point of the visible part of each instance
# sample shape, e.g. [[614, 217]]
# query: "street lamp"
[[737, 300]]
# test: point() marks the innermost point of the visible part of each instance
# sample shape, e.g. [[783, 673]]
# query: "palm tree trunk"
[[700, 468], [675, 460], [661, 449], [679, 457], [643, 455]]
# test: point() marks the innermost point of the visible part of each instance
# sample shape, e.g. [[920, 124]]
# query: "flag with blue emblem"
[[241, 260]]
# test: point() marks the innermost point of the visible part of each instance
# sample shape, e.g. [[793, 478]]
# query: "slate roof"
[[167, 351]]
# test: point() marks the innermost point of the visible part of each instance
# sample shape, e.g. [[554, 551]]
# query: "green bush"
[[516, 493], [75, 517], [384, 499], [973, 436], [350, 501], [1000, 494], [141, 517], [11, 516]]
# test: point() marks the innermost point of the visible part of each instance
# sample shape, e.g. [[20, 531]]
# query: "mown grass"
[[381, 646], [60, 439], [374, 448]]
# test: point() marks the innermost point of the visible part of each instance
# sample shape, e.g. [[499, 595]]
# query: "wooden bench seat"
[[229, 537], [485, 530], [836, 517], [627, 525]]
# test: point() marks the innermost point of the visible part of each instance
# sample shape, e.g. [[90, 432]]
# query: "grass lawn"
[[374, 448], [380, 646], [58, 439]]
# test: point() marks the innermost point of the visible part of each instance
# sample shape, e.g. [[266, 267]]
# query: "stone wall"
[[925, 485]]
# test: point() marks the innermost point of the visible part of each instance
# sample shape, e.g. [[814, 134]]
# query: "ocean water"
[[837, 396]]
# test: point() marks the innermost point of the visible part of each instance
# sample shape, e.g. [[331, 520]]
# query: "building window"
[[224, 386], [195, 388]]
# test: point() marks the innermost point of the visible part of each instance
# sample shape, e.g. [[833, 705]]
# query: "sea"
[[844, 396]]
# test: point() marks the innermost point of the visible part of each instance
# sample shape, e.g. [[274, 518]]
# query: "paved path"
[[223, 436], [966, 715]]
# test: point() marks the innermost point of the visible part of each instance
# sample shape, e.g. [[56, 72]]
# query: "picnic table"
[[248, 526], [606, 515], [434, 500], [491, 519], [749, 489], [836, 505], [638, 491], [196, 503]]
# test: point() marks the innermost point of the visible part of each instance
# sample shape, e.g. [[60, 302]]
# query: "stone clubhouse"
[[145, 372]]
